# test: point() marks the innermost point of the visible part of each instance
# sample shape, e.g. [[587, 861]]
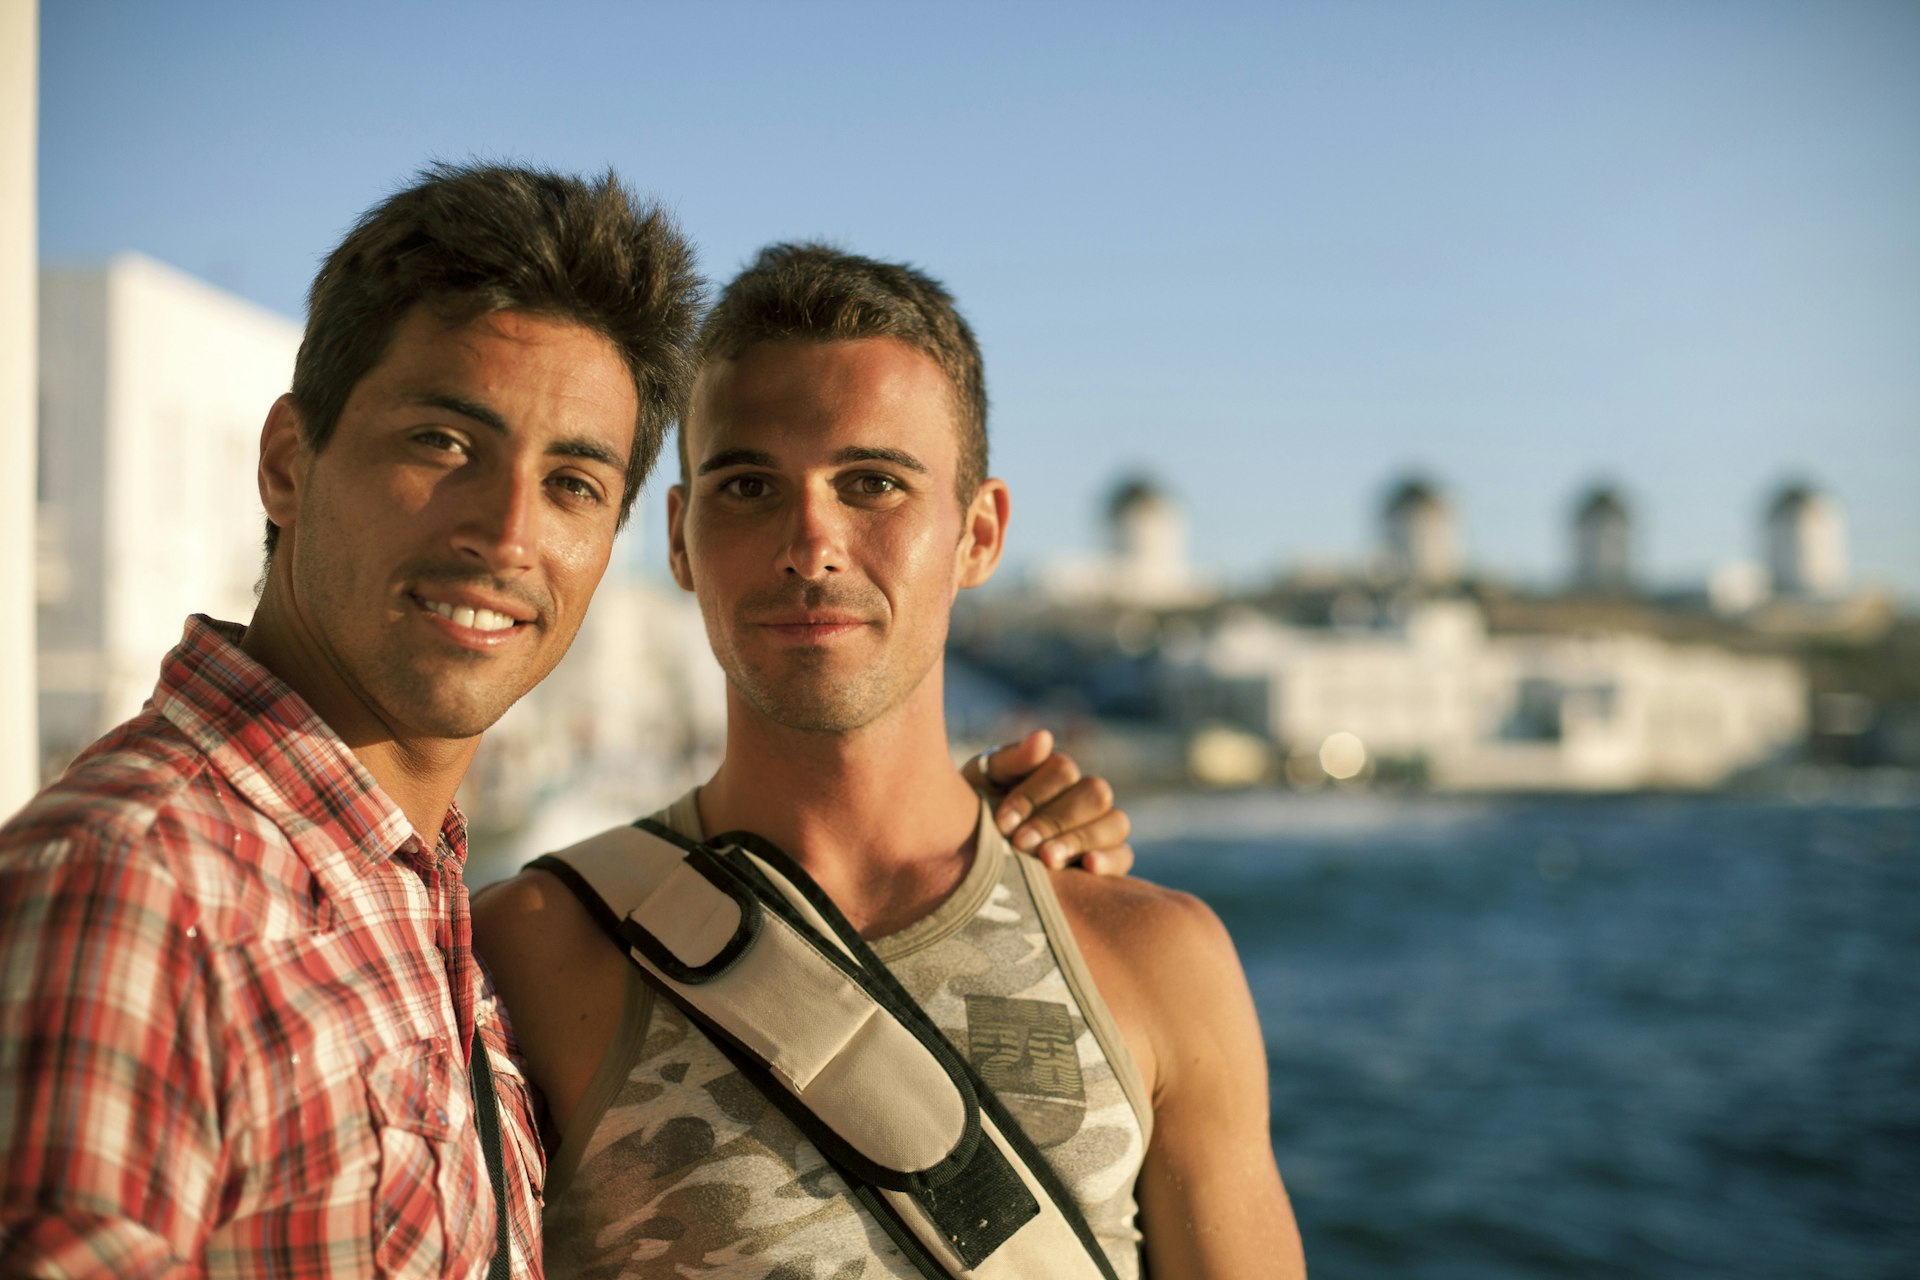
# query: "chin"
[[818, 701], [456, 717], [796, 710]]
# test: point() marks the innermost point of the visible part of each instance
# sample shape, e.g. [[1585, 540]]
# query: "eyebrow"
[[867, 453], [569, 447], [852, 453], [738, 458]]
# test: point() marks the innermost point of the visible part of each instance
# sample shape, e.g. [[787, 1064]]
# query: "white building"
[[1420, 539], [1146, 564], [1148, 534], [1602, 543], [153, 387], [1806, 539], [1603, 712]]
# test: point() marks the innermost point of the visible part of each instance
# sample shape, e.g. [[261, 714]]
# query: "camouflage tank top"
[[676, 1165]]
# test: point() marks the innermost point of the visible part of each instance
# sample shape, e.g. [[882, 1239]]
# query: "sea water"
[[1651, 1037]]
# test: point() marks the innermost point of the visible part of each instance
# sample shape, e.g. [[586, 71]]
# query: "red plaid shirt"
[[236, 998]]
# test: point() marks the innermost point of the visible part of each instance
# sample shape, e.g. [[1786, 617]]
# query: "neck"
[[878, 816], [422, 777], [419, 774]]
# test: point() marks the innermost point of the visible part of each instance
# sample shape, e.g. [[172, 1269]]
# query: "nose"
[[499, 526], [814, 547]]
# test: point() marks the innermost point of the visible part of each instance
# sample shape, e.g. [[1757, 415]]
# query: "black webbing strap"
[[486, 1111], [905, 1006]]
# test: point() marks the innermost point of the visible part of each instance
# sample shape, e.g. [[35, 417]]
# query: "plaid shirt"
[[236, 998]]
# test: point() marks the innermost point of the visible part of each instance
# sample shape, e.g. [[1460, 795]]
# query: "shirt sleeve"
[[109, 1097]]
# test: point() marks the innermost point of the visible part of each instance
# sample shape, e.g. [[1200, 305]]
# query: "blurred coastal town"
[[1406, 670]]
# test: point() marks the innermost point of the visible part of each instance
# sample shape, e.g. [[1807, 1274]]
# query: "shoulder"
[[1163, 963], [114, 792], [122, 813], [560, 978], [1147, 919], [533, 919], [144, 815], [101, 876], [537, 917]]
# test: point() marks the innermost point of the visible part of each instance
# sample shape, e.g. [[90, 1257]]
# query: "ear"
[[677, 536], [284, 455], [983, 536]]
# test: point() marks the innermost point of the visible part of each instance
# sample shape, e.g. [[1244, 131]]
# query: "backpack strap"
[[737, 935]]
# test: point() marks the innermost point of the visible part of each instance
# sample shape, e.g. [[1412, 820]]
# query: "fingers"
[[1042, 785], [1109, 862], [1094, 845], [1010, 762], [1080, 820], [1050, 810]]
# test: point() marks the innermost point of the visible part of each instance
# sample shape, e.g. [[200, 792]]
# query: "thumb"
[[1008, 764]]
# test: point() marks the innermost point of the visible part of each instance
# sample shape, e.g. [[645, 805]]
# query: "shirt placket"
[[463, 973], [453, 935]]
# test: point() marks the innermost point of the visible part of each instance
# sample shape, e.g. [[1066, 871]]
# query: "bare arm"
[[1210, 1195], [1211, 1201]]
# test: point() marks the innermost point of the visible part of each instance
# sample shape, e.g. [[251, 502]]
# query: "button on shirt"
[[236, 997]]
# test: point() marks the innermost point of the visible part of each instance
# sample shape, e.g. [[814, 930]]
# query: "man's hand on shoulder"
[[1048, 809]]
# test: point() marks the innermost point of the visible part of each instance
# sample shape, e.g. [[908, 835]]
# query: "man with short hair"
[[240, 1000], [833, 501], [239, 1005]]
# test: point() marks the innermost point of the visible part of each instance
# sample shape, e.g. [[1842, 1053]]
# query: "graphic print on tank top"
[[1023, 1050]]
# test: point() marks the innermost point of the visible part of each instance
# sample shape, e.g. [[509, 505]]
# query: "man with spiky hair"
[[834, 500], [239, 1007]]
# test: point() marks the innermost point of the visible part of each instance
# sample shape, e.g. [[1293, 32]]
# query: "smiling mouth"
[[463, 616], [825, 622], [806, 629]]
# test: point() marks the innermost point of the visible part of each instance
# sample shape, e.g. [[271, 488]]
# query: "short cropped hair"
[[470, 240], [817, 293]]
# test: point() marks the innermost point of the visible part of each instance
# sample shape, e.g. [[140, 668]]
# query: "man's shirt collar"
[[278, 753]]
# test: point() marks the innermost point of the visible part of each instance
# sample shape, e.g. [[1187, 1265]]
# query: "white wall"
[[1623, 711], [154, 386], [19, 120]]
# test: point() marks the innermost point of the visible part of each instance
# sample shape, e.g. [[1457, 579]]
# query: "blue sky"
[[1274, 255]]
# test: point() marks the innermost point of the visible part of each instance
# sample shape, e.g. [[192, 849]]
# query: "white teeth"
[[477, 619]]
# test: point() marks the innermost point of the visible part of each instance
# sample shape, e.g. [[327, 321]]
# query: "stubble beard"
[[447, 702], [815, 690], [813, 698], [417, 692]]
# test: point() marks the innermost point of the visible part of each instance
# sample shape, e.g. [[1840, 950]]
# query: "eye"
[[440, 441], [874, 484], [746, 487], [578, 486]]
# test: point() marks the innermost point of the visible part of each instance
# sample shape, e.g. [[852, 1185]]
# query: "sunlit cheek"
[[719, 546], [583, 546], [418, 491], [932, 549]]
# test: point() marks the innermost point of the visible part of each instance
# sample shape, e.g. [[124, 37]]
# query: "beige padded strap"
[[849, 1060], [1045, 1246], [828, 1042]]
